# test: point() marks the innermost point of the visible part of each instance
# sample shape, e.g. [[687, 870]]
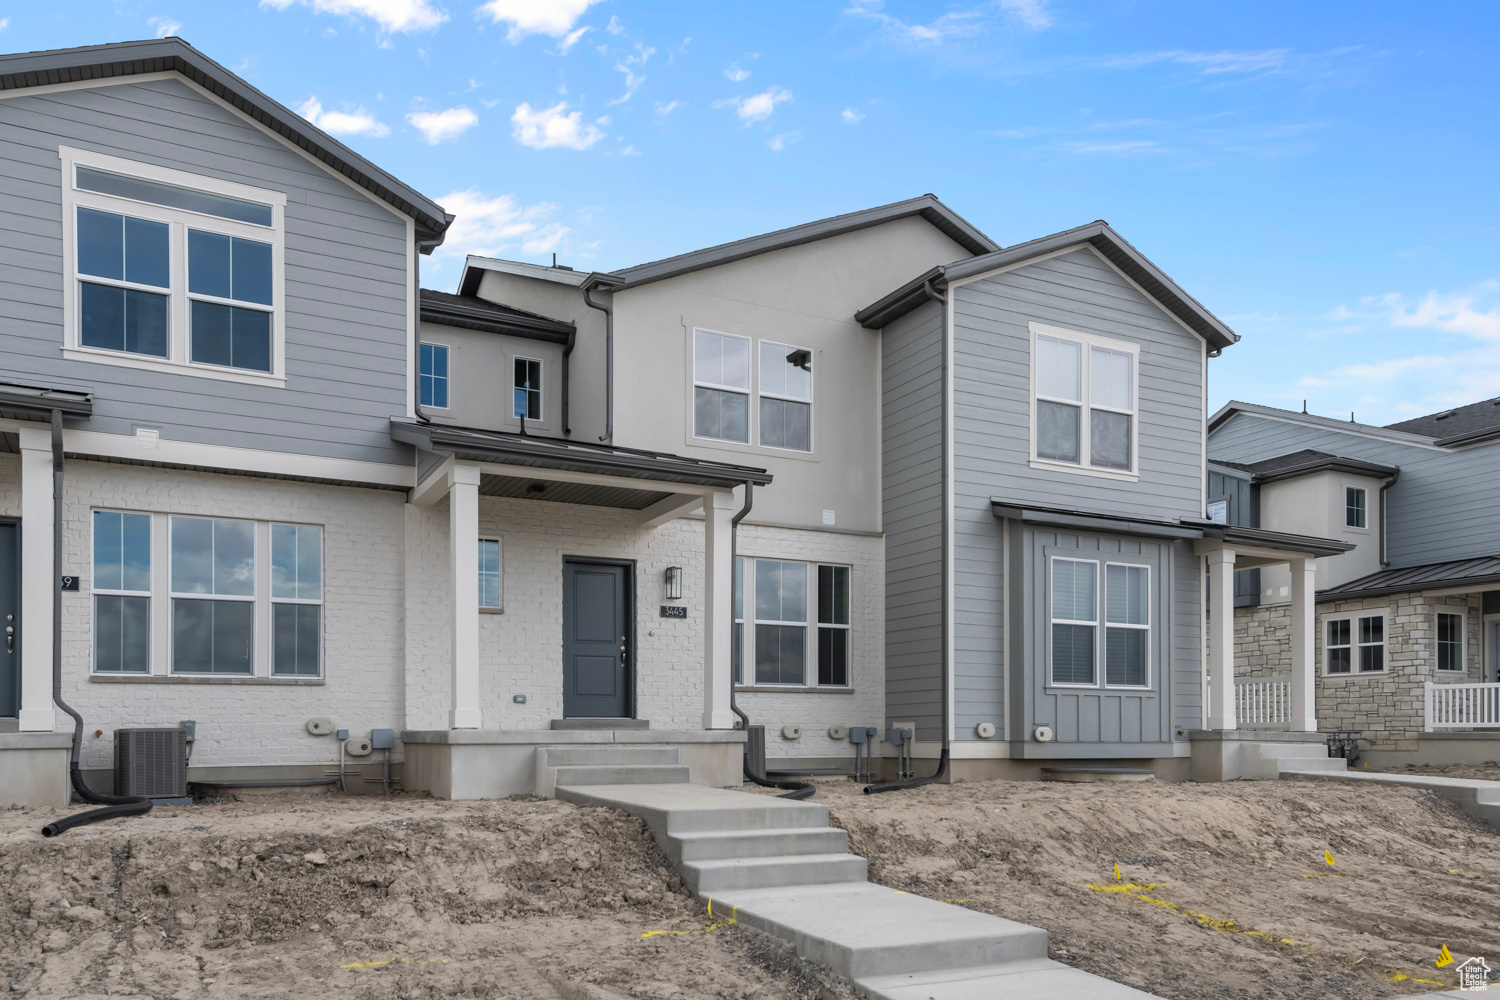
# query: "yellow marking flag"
[[1328, 857], [1445, 957], [1117, 872]]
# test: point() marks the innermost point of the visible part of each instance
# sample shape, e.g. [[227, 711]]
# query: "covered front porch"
[[565, 597]]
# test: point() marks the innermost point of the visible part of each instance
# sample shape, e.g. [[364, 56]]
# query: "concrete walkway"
[[779, 867], [1475, 796]]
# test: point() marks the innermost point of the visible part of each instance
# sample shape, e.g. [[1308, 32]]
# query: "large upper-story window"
[[721, 387], [171, 271], [432, 376], [722, 390], [1083, 401], [785, 397]]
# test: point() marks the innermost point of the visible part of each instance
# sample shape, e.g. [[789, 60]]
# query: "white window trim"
[[177, 360], [812, 392], [1463, 639], [1355, 645], [259, 649], [496, 609], [1208, 509], [752, 428], [1345, 506], [541, 388], [446, 378], [1096, 625], [273, 600], [1088, 340], [96, 591], [1107, 625], [747, 622]]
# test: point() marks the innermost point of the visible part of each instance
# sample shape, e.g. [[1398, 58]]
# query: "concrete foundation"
[[492, 764], [1009, 769], [1440, 748], [34, 769], [1257, 754]]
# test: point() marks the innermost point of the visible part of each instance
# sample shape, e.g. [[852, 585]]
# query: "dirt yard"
[[1488, 771], [1224, 891], [369, 899]]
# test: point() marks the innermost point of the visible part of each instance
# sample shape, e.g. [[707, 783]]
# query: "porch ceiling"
[[553, 491]]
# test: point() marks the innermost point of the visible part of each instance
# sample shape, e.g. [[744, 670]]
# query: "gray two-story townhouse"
[[215, 304], [1409, 619], [1044, 491]]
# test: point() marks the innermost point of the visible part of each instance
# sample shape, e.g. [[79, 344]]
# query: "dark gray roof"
[[473, 313], [1098, 234], [1482, 573], [927, 207], [1460, 425], [156, 55], [1308, 461], [475, 445]]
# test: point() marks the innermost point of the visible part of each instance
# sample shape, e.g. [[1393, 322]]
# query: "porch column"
[[463, 545], [37, 584], [1304, 625], [1221, 639], [718, 610]]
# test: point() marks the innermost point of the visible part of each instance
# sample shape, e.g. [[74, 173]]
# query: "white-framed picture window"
[[432, 375], [122, 592], [296, 600], [786, 392], [1354, 643], [1127, 625], [783, 644], [721, 387], [1075, 622], [1084, 594], [213, 596], [527, 388], [1356, 512], [171, 271], [1451, 633], [491, 578], [1084, 402]]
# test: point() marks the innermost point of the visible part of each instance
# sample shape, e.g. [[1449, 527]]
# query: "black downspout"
[[797, 789], [609, 355], [118, 805], [942, 767], [567, 427], [1384, 562]]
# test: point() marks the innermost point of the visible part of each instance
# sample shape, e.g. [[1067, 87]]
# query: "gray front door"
[[10, 619], [597, 640]]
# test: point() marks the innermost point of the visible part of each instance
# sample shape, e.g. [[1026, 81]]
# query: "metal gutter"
[[1470, 437], [31, 402], [1349, 466], [1091, 521], [515, 323]]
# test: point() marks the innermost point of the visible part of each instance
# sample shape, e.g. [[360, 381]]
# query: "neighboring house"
[[1415, 604]]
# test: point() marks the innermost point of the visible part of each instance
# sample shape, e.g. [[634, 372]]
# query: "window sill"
[[791, 689], [1079, 470], [492, 611], [202, 679], [95, 355]]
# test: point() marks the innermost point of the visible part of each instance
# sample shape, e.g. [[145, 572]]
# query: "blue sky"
[[1321, 176]]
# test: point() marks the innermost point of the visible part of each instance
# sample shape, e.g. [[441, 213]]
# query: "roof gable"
[[125, 59]]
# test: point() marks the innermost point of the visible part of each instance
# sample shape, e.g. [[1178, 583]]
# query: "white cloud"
[[391, 15], [782, 141], [547, 128], [667, 108], [490, 226], [615, 26], [630, 151], [537, 17], [572, 38], [164, 26], [440, 126], [757, 107], [1032, 13], [1207, 63], [1449, 312], [356, 122], [954, 24], [736, 74], [628, 66], [4, 23], [851, 117]]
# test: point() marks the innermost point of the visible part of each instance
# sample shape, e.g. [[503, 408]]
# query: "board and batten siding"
[[346, 284], [1442, 508], [912, 504]]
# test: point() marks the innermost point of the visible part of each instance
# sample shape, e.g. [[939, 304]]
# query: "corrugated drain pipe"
[[116, 805], [795, 789], [942, 767]]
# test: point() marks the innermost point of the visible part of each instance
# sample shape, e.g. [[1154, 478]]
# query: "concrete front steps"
[[779, 868], [1475, 796], [1265, 754]]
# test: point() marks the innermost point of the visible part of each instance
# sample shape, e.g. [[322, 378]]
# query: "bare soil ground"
[[1487, 771], [1224, 891], [368, 899]]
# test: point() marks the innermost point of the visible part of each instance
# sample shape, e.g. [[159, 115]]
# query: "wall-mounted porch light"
[[672, 579]]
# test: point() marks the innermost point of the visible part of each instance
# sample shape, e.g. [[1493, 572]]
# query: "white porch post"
[[718, 610], [37, 584], [1221, 641], [1304, 624], [463, 545]]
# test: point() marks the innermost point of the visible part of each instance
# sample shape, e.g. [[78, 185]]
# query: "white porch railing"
[[1263, 702], [1462, 706]]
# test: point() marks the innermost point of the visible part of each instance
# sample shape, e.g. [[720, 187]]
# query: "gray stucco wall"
[[480, 371], [346, 286], [1442, 508], [912, 497]]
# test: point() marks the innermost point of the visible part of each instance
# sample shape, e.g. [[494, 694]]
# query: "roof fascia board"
[[41, 402], [1348, 467], [533, 328], [474, 266], [1229, 470], [1233, 409], [42, 90], [1483, 436], [889, 308], [1091, 522], [1460, 585]]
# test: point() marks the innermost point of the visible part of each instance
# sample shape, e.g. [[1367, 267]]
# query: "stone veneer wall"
[[1263, 641]]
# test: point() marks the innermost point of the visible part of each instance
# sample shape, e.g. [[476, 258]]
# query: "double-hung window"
[[1355, 515], [432, 375], [780, 622], [296, 600], [1354, 644], [213, 596], [170, 270], [1450, 640], [721, 387], [122, 592], [1077, 645], [491, 593], [1127, 625], [527, 404], [1075, 618], [1084, 399], [833, 626], [785, 397], [774, 633]]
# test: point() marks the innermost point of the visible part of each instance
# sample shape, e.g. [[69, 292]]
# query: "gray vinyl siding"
[[1244, 511], [346, 288], [912, 499], [1442, 507], [992, 401]]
